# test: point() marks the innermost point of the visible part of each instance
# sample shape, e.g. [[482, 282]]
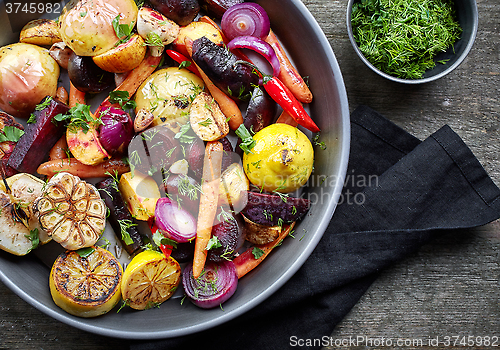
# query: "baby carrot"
[[208, 203]]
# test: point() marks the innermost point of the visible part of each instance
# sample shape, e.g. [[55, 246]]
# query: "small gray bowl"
[[467, 15]]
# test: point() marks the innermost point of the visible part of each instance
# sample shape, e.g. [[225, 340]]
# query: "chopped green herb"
[[213, 243], [182, 134], [402, 37], [247, 141], [122, 31], [79, 118], [11, 133], [122, 98], [316, 142], [206, 122], [124, 226], [85, 252], [184, 64], [153, 39], [257, 252], [34, 238]]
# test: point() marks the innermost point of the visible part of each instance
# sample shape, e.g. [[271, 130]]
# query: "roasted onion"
[[258, 45], [174, 222], [216, 284], [116, 130], [245, 19]]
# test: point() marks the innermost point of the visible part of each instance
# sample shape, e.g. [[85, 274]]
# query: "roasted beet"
[[224, 69], [272, 210], [183, 252], [86, 76], [230, 235], [181, 12], [154, 149], [195, 152], [217, 8], [120, 219], [39, 137]]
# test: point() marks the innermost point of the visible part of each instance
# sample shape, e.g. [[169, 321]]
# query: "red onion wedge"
[[116, 130], [174, 222], [259, 46], [216, 284], [247, 18]]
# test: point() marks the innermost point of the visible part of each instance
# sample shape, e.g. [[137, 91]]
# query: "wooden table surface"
[[451, 286]]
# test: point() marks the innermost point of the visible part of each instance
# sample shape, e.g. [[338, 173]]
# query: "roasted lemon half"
[[86, 286], [150, 279]]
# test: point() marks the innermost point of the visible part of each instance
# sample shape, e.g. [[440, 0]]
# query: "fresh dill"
[[402, 37]]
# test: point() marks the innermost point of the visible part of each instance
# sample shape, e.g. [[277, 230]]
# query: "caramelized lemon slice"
[[86, 286], [150, 279], [71, 211]]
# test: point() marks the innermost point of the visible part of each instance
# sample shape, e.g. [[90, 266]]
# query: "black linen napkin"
[[403, 193]]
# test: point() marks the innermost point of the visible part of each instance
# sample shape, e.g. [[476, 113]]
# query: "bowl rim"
[[460, 59], [344, 143]]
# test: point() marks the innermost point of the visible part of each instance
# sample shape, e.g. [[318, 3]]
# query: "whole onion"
[[216, 284], [116, 130], [174, 222], [247, 18]]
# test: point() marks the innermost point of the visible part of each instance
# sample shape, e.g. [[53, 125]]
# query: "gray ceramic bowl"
[[306, 43], [467, 17]]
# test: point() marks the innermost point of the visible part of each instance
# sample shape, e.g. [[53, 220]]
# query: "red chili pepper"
[[284, 97], [179, 58], [165, 248]]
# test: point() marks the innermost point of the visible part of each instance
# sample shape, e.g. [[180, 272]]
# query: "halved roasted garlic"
[[71, 211]]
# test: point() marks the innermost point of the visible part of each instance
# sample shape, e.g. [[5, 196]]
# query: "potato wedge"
[[124, 57], [195, 30], [152, 26], [207, 119], [14, 236], [141, 193], [42, 32], [234, 186], [260, 234]]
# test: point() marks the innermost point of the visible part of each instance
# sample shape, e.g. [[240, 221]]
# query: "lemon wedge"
[[86, 286], [150, 279]]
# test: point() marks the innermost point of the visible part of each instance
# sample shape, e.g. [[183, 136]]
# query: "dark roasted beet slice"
[[230, 235], [39, 137], [272, 210]]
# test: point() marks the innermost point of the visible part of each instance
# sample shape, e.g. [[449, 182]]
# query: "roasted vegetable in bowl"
[[163, 137]]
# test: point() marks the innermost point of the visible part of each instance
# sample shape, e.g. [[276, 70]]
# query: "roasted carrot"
[[62, 95], [226, 104], [75, 96], [73, 166], [247, 261], [208, 203], [59, 150], [288, 74], [134, 79]]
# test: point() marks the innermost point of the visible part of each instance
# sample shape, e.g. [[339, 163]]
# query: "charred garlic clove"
[[71, 211]]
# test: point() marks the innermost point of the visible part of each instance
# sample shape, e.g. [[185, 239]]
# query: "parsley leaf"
[[79, 117], [247, 141], [257, 252], [181, 135], [11, 133], [122, 31], [122, 98], [160, 239], [85, 252], [213, 243]]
